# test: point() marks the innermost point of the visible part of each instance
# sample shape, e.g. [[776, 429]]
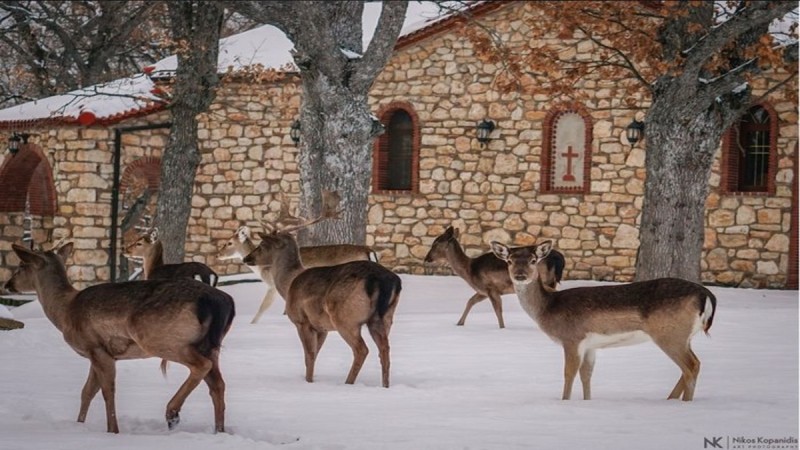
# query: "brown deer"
[[487, 273], [343, 298], [240, 245], [668, 311], [150, 250], [177, 320]]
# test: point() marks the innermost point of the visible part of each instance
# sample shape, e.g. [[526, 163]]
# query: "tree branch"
[[382, 45]]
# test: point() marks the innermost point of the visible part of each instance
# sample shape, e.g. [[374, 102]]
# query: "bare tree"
[[696, 61], [49, 47], [195, 26], [337, 125]]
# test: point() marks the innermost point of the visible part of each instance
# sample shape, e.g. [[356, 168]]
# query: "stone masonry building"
[[553, 168]]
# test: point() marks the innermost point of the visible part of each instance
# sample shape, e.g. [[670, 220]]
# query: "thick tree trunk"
[[198, 24], [337, 156], [678, 159]]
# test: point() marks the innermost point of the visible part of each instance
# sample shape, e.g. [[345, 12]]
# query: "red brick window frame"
[[750, 153], [575, 176], [395, 157]]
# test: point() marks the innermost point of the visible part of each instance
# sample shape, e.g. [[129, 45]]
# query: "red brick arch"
[[28, 176], [380, 150], [148, 168]]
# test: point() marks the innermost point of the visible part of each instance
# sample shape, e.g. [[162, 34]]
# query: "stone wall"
[[490, 193]]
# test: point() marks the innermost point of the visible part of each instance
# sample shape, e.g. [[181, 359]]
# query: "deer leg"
[[381, 337], [321, 336], [216, 388], [472, 301], [587, 366], [497, 305], [683, 356], [572, 362], [309, 339], [269, 297], [90, 389], [198, 366], [352, 335], [104, 368]]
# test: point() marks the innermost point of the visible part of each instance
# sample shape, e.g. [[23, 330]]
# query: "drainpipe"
[[112, 260]]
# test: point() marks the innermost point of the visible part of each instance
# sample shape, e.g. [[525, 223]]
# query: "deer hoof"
[[173, 420]]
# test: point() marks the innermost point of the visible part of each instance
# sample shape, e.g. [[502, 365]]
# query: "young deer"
[[487, 273], [240, 245], [343, 298], [177, 320], [151, 251], [667, 310]]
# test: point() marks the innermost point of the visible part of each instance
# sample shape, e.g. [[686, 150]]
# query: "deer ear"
[[500, 250], [65, 251], [27, 256], [449, 230], [243, 233], [456, 233], [543, 249]]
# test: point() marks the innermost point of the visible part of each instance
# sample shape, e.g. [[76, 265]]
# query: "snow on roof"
[[269, 47], [111, 102], [102, 103]]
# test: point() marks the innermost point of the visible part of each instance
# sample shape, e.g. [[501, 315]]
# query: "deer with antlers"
[[340, 298], [178, 320], [240, 245], [668, 311], [149, 249], [486, 273]]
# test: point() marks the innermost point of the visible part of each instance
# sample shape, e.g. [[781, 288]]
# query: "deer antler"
[[292, 222], [330, 205]]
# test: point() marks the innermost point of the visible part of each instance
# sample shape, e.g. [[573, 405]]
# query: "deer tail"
[[388, 286], [164, 367], [216, 308], [708, 308], [372, 255]]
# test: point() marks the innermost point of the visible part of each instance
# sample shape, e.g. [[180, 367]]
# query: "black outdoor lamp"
[[294, 132], [484, 128], [15, 140], [635, 131]]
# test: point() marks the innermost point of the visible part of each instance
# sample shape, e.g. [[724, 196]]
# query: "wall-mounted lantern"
[[484, 128], [15, 141], [294, 132], [635, 131]]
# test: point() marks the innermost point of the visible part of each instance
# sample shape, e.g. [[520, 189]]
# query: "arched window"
[[396, 155], [749, 157], [567, 151]]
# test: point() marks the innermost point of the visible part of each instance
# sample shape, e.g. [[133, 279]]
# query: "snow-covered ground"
[[471, 387]]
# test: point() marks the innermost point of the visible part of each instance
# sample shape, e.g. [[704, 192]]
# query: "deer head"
[[34, 261], [236, 246], [438, 251], [522, 261]]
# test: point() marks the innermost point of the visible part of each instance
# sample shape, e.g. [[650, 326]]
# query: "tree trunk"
[[336, 156], [679, 156], [196, 23]]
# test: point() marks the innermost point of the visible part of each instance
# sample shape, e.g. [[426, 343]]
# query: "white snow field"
[[470, 387]]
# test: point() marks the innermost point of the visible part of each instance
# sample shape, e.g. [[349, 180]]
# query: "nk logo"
[[714, 442]]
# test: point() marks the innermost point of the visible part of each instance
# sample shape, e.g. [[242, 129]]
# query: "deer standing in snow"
[[177, 320], [339, 298], [668, 311], [487, 273]]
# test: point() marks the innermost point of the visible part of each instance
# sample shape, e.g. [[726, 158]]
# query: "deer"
[[668, 311], [240, 245], [150, 250], [179, 320], [340, 298], [486, 273]]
